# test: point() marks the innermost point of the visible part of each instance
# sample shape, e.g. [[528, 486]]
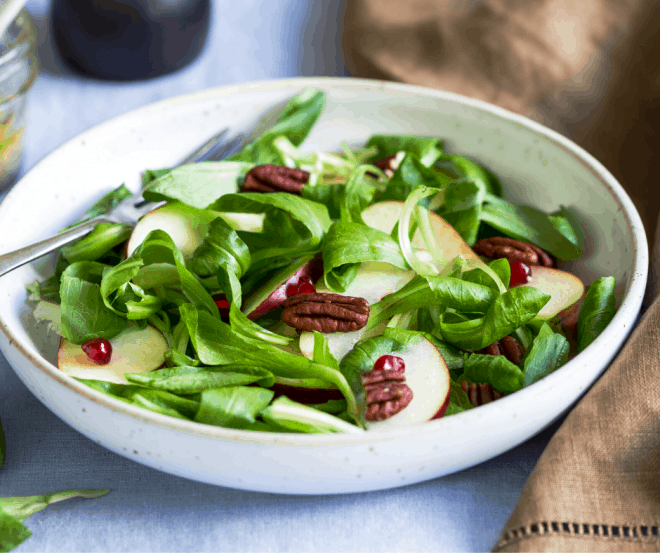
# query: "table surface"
[[147, 510]]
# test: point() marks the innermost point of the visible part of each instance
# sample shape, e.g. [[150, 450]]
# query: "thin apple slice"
[[427, 375], [374, 281], [564, 288], [134, 350], [384, 215], [186, 225]]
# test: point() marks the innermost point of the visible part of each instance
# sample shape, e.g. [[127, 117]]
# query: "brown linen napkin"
[[590, 70]]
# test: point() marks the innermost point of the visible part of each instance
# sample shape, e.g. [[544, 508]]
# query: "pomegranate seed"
[[222, 303], [520, 272], [389, 362], [98, 350], [303, 286]]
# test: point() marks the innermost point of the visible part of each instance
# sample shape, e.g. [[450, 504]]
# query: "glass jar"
[[18, 70]]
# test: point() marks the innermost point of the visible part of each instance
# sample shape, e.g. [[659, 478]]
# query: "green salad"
[[380, 286]]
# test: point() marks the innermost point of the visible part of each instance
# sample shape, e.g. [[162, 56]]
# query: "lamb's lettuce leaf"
[[292, 225], [509, 311], [296, 417], [84, 313], [597, 310], [549, 351], [495, 370], [351, 243], [294, 123], [426, 150], [233, 406], [198, 184]]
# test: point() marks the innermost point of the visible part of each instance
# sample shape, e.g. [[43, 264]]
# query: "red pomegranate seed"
[[98, 350], [389, 362], [520, 273], [303, 286], [222, 303]]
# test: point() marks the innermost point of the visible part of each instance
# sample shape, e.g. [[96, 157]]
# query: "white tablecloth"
[[147, 510]]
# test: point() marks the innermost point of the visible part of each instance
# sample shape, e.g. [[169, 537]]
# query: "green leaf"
[[292, 225], [188, 380], [411, 173], [549, 351], [495, 370], [458, 400], [363, 356], [97, 243], [294, 123], [84, 313], [528, 224], [426, 150], [233, 407], [597, 311], [21, 508], [297, 417], [462, 166], [508, 312], [461, 208], [350, 243], [12, 532], [198, 184]]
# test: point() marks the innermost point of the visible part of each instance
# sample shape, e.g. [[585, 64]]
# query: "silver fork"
[[129, 211]]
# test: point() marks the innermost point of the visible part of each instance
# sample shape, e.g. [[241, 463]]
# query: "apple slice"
[[427, 375], [187, 225], [564, 288], [384, 215], [134, 350], [274, 293], [374, 281]]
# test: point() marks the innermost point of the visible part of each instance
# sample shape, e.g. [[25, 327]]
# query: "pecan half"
[[386, 393], [325, 312], [480, 394], [499, 247], [275, 178], [509, 347]]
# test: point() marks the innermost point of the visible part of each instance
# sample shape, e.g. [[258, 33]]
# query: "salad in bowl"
[[368, 289]]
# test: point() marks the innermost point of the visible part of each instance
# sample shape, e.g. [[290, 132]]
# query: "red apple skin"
[[443, 408], [278, 297]]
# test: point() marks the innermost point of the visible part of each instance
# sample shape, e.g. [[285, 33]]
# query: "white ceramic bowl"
[[536, 166]]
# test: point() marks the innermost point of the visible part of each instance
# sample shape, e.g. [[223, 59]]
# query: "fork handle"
[[12, 260]]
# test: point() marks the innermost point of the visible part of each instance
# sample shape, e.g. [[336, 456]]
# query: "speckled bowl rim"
[[628, 309]]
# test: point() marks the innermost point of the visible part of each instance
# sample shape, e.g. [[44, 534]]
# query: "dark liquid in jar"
[[131, 39]]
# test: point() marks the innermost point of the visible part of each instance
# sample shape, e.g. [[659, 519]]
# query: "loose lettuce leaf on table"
[[15, 510]]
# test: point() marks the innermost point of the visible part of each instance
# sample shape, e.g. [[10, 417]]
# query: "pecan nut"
[[509, 347], [325, 312], [275, 178], [386, 393], [480, 394], [500, 247]]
